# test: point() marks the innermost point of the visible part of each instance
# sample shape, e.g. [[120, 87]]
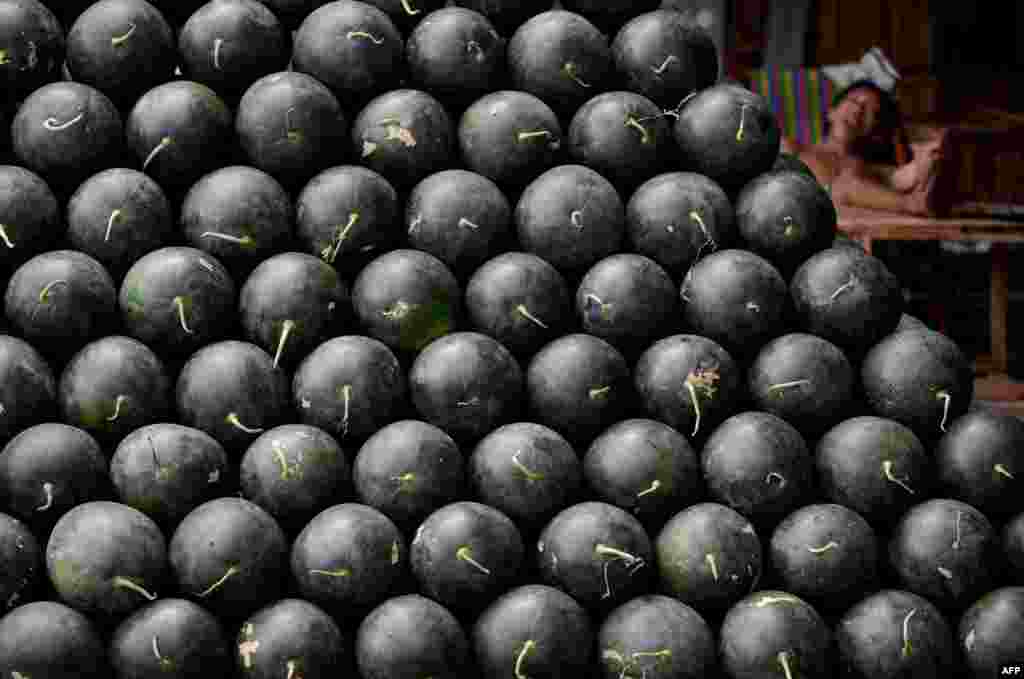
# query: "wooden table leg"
[[1000, 307], [998, 386]]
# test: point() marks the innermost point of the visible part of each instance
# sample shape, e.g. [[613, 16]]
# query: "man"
[[856, 160]]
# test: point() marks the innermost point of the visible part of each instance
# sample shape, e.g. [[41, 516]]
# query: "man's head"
[[866, 117]]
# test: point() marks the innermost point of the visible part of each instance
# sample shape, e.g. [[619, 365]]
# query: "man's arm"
[[863, 188]]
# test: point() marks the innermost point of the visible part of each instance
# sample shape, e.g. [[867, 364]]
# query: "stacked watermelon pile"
[[493, 339]]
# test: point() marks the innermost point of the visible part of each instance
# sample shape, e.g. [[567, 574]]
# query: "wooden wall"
[[842, 31], [944, 74]]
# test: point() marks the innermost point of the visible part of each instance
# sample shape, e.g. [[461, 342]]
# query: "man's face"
[[856, 115]]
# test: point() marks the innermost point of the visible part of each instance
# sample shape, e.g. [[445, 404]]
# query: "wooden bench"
[[993, 382]]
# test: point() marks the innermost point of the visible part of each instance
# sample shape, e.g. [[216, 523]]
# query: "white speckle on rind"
[[214, 476], [540, 547], [306, 403], [753, 306], [945, 572]]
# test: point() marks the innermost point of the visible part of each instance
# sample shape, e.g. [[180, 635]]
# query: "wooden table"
[[866, 226]]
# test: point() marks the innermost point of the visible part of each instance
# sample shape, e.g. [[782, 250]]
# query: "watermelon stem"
[[523, 136], [409, 9], [338, 573], [843, 288], [653, 488], [907, 649], [233, 570], [525, 313], [696, 407], [598, 392], [664, 65], [831, 544], [48, 492], [404, 480], [4, 58], [791, 229], [663, 653], [233, 420], [352, 35], [946, 398], [291, 665], [55, 125], [771, 600], [398, 310], [695, 216], [216, 52], [5, 238], [743, 118], [674, 112], [45, 292], [245, 240], [179, 302], [114, 216], [466, 554], [294, 136], [787, 385], [956, 530], [783, 657], [121, 398], [164, 143], [1001, 469], [119, 581], [286, 329], [466, 224], [712, 564], [474, 46], [118, 39], [330, 253], [156, 652], [775, 475], [887, 471], [576, 217], [287, 471], [645, 137], [570, 70], [528, 646], [346, 396], [527, 472], [633, 562]]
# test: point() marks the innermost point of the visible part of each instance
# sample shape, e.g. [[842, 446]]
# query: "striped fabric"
[[800, 98]]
